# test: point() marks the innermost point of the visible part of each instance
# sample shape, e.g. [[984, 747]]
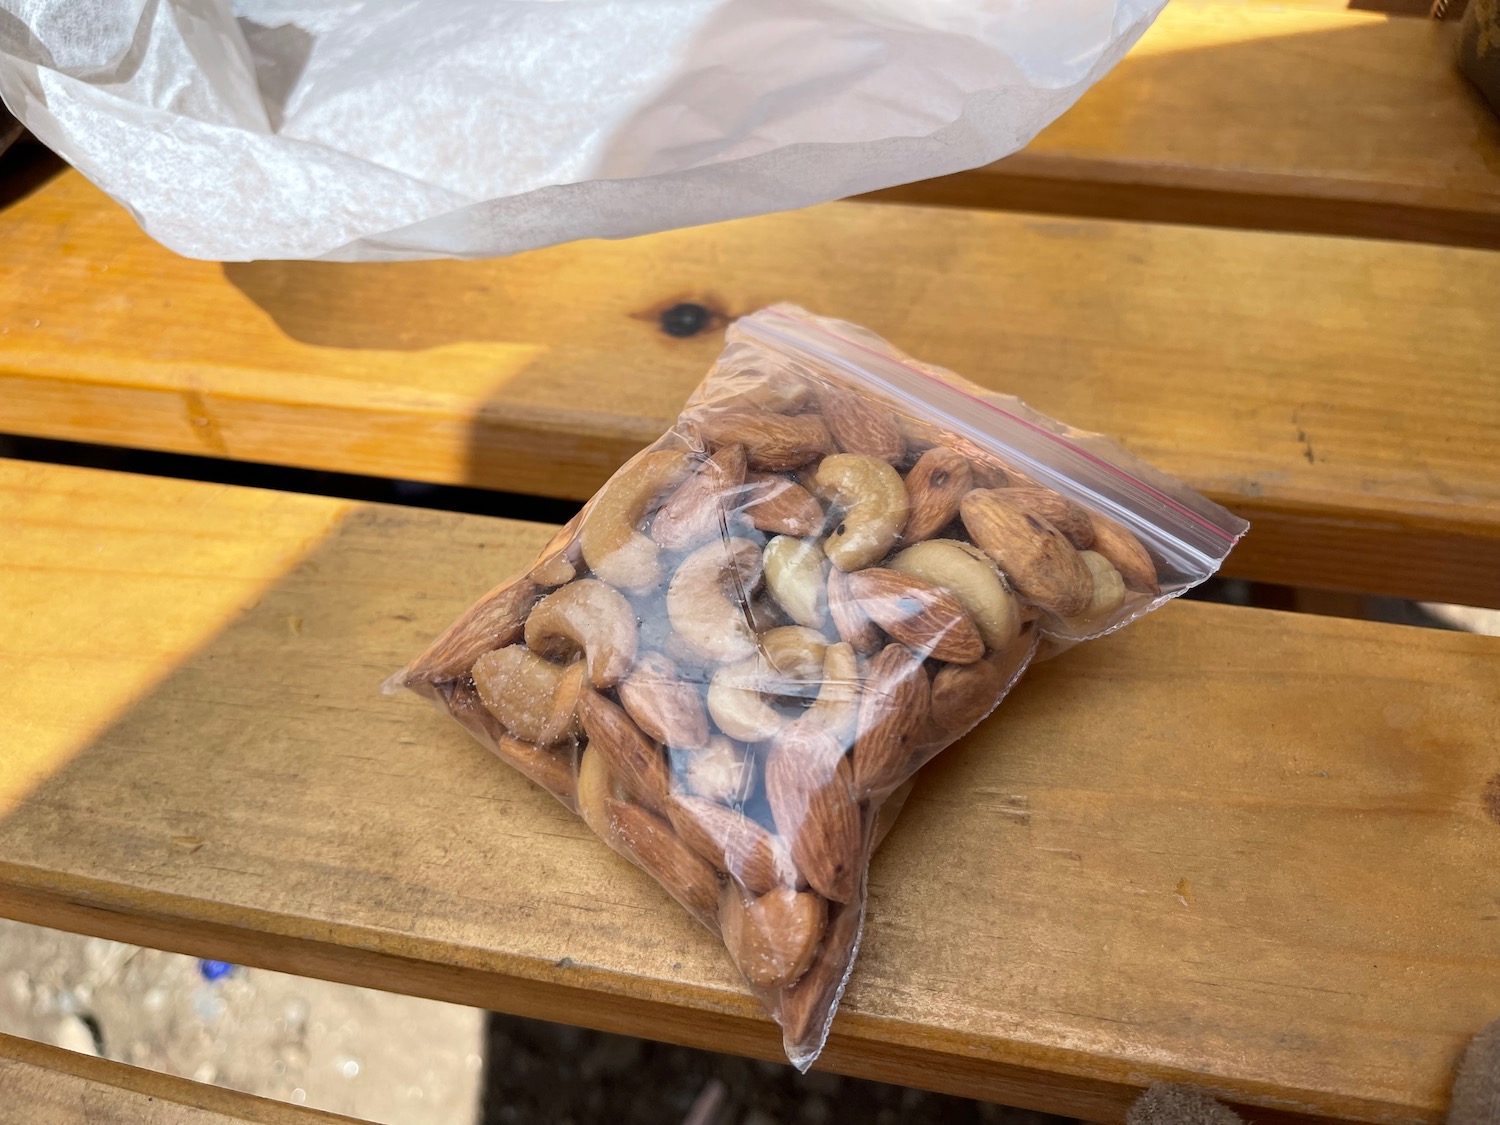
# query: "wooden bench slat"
[[1298, 118], [45, 1085], [1343, 394], [1245, 849]]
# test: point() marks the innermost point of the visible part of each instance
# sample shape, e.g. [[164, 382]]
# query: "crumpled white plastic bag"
[[376, 129]]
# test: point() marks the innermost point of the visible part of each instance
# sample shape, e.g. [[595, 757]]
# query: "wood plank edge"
[[232, 1104], [861, 1046], [1160, 196]]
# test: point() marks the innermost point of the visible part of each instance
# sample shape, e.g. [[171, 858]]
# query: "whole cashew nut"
[[837, 707], [560, 558], [794, 575], [736, 700], [610, 540], [591, 616], [534, 699], [1109, 588], [708, 596], [795, 652], [968, 574], [875, 505], [596, 785]]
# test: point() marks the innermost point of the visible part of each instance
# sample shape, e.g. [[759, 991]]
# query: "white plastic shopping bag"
[[379, 129]]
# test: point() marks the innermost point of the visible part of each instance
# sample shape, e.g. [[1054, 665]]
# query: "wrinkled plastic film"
[[835, 564], [244, 129]]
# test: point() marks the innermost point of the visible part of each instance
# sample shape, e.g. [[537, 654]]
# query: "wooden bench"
[[1237, 848], [1344, 395], [44, 1085], [1300, 116], [1233, 847]]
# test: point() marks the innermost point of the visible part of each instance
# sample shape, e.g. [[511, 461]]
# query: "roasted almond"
[[663, 704], [987, 472], [698, 510], [893, 710], [496, 620], [853, 624], [773, 938], [808, 1005], [633, 758], [650, 841], [780, 506], [935, 484], [860, 425], [811, 793], [1037, 558], [733, 843], [1123, 549], [962, 694], [917, 613], [1070, 518], [773, 442]]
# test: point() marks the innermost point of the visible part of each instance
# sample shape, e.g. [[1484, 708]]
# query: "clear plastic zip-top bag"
[[835, 564]]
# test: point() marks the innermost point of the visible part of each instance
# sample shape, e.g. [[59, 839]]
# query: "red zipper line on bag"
[[1056, 438]]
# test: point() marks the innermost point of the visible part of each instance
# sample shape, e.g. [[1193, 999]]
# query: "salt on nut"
[[773, 938], [534, 699], [610, 538], [721, 771], [591, 617], [873, 497], [968, 574], [708, 595], [794, 575]]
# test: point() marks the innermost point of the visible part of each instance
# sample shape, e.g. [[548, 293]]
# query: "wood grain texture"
[[1344, 395], [1301, 118], [45, 1085], [1243, 849]]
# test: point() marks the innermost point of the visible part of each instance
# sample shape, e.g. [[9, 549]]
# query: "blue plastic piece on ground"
[[215, 970]]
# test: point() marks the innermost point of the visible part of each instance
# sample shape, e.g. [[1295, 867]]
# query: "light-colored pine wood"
[[44, 1085], [1344, 395], [1244, 849], [1274, 116]]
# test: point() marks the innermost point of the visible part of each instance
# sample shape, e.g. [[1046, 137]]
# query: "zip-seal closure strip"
[[1176, 531]]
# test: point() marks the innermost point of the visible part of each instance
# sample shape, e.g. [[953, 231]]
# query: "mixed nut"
[[755, 632]]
